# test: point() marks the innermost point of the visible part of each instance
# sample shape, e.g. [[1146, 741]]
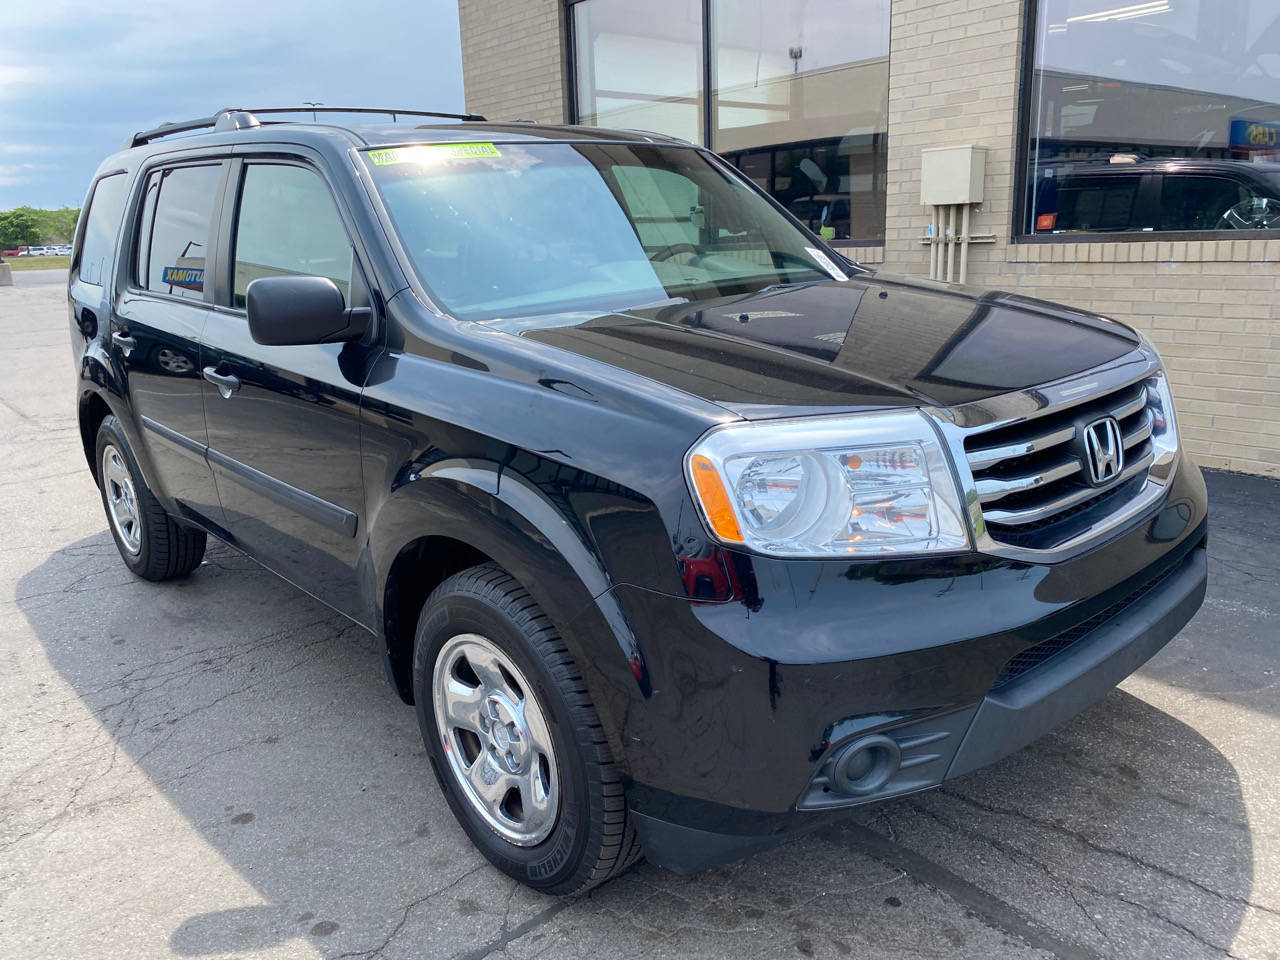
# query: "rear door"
[[157, 323], [283, 421]]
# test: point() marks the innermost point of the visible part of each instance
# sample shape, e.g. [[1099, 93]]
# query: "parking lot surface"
[[217, 766]]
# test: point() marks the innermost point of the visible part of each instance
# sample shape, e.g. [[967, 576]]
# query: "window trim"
[[128, 265], [1022, 163]]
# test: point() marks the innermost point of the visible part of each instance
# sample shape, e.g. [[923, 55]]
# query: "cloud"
[[78, 76], [12, 174]]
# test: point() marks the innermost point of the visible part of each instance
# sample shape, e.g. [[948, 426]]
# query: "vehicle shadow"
[[265, 720]]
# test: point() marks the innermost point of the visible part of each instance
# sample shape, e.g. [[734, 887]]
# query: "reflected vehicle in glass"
[[1128, 194], [1188, 90], [682, 533]]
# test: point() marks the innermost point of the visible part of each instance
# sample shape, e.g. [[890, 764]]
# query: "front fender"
[[504, 516]]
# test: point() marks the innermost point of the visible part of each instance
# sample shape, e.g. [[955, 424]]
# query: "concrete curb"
[[6, 275]]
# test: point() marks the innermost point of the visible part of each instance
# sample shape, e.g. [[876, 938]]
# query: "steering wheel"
[[669, 251], [1256, 213]]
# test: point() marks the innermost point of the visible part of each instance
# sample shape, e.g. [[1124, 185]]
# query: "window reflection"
[[639, 67], [801, 103], [1162, 115], [800, 93]]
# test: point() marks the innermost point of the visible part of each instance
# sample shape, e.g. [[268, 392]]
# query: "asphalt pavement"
[[217, 767]]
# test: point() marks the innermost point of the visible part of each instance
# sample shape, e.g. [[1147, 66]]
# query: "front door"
[[284, 421], [156, 328]]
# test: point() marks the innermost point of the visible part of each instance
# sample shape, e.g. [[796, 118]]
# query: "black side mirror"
[[288, 311]]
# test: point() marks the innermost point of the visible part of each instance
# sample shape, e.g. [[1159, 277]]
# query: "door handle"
[[125, 342], [227, 383]]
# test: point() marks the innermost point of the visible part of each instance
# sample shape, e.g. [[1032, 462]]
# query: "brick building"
[[1132, 149]]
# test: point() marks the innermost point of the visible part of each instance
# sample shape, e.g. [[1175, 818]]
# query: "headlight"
[[874, 483]]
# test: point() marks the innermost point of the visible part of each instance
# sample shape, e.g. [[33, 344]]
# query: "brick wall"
[[1212, 308], [512, 66]]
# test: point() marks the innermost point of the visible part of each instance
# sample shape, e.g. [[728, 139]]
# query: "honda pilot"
[[681, 532]]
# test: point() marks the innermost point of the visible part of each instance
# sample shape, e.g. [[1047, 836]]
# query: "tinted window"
[[1198, 203], [1088, 203], [177, 211], [105, 208], [288, 225]]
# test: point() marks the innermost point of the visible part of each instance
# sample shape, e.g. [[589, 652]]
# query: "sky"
[[76, 78]]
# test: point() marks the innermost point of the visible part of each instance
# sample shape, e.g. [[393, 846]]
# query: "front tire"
[[514, 739], [151, 543]]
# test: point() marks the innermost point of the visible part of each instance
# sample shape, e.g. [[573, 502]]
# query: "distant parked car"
[[10, 253]]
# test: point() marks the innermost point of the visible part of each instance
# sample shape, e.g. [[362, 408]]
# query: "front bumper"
[[685, 837], [734, 752]]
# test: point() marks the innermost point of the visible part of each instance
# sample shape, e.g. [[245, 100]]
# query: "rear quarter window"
[[106, 206]]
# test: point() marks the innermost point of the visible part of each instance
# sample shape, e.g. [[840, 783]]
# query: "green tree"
[[59, 225], [53, 226], [18, 228]]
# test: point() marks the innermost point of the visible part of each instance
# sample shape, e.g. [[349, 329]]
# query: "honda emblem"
[[1104, 450]]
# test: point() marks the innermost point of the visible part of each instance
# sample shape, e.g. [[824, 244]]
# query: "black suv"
[[1128, 194], [680, 530]]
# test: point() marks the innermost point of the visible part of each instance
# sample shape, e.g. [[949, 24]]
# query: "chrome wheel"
[[496, 739], [122, 499]]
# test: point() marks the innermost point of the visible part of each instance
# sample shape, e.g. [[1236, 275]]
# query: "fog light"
[[866, 765]]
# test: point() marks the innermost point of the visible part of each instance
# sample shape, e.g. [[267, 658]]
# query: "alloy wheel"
[[496, 739]]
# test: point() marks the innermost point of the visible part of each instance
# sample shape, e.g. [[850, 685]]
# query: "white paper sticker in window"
[[826, 264]]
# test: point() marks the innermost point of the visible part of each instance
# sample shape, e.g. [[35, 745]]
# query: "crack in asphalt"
[[515, 933], [404, 918], [993, 911], [1109, 851]]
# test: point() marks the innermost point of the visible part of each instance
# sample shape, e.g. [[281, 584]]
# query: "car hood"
[[869, 341]]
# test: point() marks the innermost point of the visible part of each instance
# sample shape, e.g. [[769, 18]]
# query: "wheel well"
[[93, 410], [419, 568]]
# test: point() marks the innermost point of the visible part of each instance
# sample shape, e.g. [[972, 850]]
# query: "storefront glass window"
[[639, 66], [800, 103], [800, 97], [1154, 116]]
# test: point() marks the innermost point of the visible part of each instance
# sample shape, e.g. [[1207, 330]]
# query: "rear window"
[[174, 237], [105, 208]]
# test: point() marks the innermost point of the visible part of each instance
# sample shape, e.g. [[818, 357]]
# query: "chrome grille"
[[1031, 481]]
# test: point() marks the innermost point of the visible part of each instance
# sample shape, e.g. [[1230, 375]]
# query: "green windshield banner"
[[429, 153]]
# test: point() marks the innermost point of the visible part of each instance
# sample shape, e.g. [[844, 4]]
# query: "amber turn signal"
[[715, 499]]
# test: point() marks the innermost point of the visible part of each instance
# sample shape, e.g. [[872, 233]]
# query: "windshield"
[[509, 230]]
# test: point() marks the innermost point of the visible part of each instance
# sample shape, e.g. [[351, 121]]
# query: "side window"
[[105, 208], [174, 234], [1197, 203], [1101, 203], [288, 225], [663, 205]]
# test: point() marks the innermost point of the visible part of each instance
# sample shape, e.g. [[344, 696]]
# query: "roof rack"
[[239, 118]]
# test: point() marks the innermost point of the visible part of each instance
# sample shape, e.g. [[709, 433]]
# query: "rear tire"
[[522, 676], [151, 543]]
